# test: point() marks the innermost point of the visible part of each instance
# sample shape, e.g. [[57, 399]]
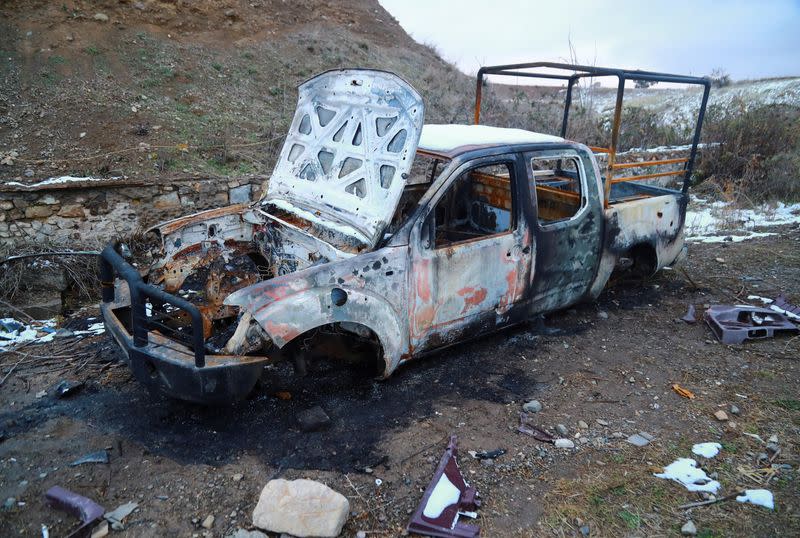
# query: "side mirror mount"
[[426, 234]]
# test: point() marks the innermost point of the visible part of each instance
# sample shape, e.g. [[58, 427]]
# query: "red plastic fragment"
[[447, 497]]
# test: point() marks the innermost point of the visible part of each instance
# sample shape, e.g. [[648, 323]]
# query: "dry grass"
[[617, 494]]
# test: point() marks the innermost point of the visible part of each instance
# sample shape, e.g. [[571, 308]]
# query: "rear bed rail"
[[141, 293]]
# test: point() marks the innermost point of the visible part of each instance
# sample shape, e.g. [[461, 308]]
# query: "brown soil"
[[178, 460], [184, 88]]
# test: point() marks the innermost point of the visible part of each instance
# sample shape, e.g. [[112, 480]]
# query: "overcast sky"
[[747, 39]]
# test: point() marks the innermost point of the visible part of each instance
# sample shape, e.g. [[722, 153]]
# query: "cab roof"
[[453, 139]]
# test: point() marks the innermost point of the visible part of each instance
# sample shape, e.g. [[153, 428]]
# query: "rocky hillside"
[[184, 88]]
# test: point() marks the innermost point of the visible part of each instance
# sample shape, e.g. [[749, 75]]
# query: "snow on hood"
[[349, 150], [446, 138]]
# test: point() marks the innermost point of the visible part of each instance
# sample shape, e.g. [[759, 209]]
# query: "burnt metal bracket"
[[735, 324], [447, 497]]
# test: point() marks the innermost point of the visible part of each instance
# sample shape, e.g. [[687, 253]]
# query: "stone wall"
[[89, 212]]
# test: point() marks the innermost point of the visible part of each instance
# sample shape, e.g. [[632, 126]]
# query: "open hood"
[[349, 150]]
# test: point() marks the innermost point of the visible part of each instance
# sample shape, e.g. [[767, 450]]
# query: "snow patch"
[[760, 497], [707, 450], [59, 180], [13, 332], [709, 222], [685, 471]]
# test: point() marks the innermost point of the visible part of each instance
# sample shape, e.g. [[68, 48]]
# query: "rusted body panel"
[[317, 257]]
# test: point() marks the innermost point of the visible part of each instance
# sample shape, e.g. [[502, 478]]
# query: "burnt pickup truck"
[[381, 239]]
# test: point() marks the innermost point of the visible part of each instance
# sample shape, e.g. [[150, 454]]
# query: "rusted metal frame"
[[110, 263], [646, 176], [597, 149], [614, 140], [618, 166], [696, 140], [567, 105]]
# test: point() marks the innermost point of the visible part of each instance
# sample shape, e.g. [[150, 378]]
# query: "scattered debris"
[[79, 506], [760, 497], [689, 528], [564, 443], [689, 317], [721, 415], [208, 522], [683, 392], [707, 450], [41, 394], [101, 456], [66, 388], [447, 497], [488, 455], [301, 508], [526, 427], [534, 406], [779, 305], [735, 324], [685, 471], [313, 419], [116, 516]]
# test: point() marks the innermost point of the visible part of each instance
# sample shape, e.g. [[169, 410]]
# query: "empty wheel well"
[[644, 259], [350, 343]]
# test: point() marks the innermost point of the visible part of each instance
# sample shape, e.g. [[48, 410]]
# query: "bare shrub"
[[758, 151]]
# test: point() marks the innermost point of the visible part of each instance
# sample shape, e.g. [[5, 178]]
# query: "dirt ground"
[[611, 365]]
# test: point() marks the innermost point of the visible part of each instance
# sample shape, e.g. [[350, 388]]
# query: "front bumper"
[[164, 365]]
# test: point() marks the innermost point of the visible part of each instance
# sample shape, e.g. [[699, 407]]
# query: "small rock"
[[238, 477], [564, 443], [301, 507], [721, 415], [735, 410], [562, 430], [647, 436], [313, 419], [28, 172], [533, 406], [772, 439], [582, 425], [241, 533], [689, 528], [41, 394], [361, 534], [100, 531], [773, 448], [10, 503], [638, 440], [102, 17], [602, 314], [208, 522], [487, 463], [82, 135], [602, 422], [719, 260]]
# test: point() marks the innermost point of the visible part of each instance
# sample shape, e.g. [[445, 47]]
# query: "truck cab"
[[382, 235]]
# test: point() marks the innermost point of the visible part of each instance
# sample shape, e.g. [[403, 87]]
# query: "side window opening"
[[424, 171], [559, 187], [477, 204]]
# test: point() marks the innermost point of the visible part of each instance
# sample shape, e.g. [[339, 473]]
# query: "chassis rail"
[[111, 264]]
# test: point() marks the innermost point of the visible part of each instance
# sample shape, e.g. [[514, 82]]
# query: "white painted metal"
[[349, 150]]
